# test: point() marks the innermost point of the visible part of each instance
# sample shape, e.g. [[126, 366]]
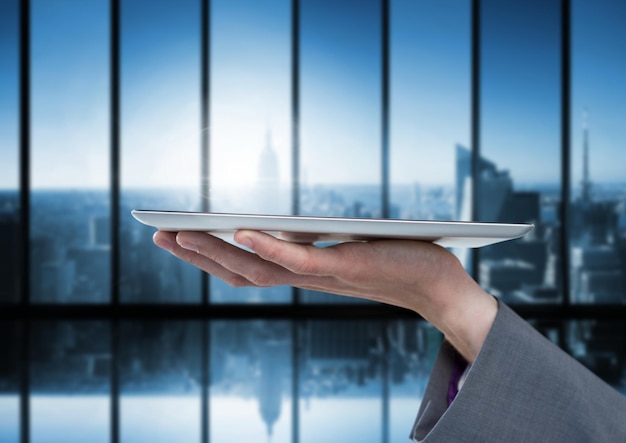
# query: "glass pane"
[[160, 381], [413, 347], [10, 341], [70, 152], [600, 346], [340, 397], [598, 186], [9, 150], [430, 111], [520, 164], [250, 119], [70, 382], [251, 381], [340, 92], [160, 141]]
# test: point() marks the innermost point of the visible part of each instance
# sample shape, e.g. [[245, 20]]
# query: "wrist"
[[468, 334], [464, 313]]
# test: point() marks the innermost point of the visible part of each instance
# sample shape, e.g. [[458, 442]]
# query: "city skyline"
[[145, 377], [252, 87]]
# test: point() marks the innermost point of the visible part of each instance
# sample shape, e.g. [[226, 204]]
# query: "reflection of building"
[[341, 358], [272, 362], [10, 361], [600, 346], [90, 281], [408, 349], [9, 259]]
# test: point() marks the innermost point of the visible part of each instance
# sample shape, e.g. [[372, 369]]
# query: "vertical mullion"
[[385, 108], [295, 381], [205, 379], [205, 90], [115, 210], [386, 394], [475, 124], [114, 390], [565, 148], [205, 112], [385, 192], [295, 107], [25, 150], [115, 147], [295, 119], [295, 209], [205, 86], [25, 214], [25, 383]]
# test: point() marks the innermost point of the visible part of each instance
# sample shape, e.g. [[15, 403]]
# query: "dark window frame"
[[25, 312]]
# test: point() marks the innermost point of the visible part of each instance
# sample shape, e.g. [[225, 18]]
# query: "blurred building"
[[9, 257]]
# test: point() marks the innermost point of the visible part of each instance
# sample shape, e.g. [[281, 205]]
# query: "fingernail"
[[163, 243], [247, 242], [186, 244]]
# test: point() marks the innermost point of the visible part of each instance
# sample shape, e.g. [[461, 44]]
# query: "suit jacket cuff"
[[521, 387]]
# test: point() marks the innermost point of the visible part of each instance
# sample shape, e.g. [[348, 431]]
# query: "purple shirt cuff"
[[457, 371]]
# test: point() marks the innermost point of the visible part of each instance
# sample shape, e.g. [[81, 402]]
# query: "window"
[[491, 110], [340, 92], [159, 139], [69, 170], [10, 340], [160, 365], [598, 188], [251, 143], [519, 169], [70, 372], [9, 151], [430, 112]]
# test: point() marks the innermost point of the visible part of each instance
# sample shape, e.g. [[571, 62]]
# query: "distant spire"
[[268, 138], [586, 183]]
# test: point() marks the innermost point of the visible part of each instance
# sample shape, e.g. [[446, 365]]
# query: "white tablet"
[[303, 229]]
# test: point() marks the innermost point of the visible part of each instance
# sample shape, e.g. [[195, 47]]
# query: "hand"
[[420, 276]]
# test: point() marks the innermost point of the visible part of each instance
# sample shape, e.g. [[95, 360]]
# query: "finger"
[[250, 266], [298, 258], [167, 241]]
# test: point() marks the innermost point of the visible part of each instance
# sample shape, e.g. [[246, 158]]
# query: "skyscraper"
[[268, 199], [596, 264]]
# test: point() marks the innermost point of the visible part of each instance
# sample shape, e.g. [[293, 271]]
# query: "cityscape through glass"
[[9, 151], [296, 124], [69, 170], [598, 186], [519, 167], [160, 141]]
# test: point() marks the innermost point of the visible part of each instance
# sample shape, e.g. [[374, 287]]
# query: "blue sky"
[[340, 91], [9, 94], [520, 88]]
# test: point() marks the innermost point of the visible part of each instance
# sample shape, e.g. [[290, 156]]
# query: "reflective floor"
[[268, 380], [347, 380]]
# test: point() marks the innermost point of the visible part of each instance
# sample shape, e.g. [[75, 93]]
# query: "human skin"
[[419, 276]]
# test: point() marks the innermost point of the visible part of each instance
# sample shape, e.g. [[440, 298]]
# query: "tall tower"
[[268, 200], [586, 183], [268, 174]]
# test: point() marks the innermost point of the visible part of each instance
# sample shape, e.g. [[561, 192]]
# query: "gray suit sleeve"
[[520, 388]]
